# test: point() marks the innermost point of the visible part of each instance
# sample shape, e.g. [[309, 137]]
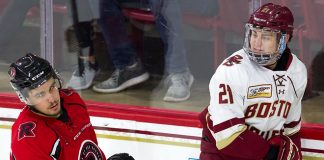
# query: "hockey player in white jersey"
[[256, 93]]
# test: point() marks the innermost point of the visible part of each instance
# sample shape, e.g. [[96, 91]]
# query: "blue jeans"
[[168, 15], [113, 26], [112, 22], [168, 20]]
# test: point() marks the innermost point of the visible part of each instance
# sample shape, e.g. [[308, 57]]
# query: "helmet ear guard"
[[21, 96], [282, 43]]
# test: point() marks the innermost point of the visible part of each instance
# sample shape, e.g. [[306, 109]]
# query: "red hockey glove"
[[287, 150]]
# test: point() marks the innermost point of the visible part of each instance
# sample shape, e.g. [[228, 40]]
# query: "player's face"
[[46, 98], [263, 41]]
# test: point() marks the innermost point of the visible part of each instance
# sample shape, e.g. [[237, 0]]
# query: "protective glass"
[[263, 45]]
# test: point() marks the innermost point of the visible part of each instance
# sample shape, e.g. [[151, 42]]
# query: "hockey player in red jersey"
[[55, 124], [256, 93]]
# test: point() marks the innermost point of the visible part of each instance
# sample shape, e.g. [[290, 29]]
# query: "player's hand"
[[287, 150], [121, 156]]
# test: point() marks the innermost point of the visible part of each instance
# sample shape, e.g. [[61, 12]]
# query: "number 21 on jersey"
[[225, 94]]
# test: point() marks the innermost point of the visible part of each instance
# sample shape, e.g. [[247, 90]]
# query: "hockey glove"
[[121, 156], [287, 150]]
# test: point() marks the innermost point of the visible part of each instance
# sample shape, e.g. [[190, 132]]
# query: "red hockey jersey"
[[41, 138]]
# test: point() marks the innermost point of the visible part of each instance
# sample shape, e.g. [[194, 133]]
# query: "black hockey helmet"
[[29, 72]]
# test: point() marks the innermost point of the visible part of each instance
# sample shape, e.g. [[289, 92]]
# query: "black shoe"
[[122, 79]]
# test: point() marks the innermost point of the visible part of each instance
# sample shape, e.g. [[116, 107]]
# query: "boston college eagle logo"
[[233, 60]]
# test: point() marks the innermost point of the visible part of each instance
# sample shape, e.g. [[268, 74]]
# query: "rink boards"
[[146, 133]]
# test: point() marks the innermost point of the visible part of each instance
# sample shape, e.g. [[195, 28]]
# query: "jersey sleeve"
[[225, 106], [33, 140], [31, 151], [227, 116]]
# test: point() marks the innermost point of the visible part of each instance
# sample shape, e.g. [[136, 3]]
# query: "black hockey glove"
[[121, 156]]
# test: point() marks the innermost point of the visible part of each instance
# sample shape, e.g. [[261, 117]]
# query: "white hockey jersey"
[[244, 95]]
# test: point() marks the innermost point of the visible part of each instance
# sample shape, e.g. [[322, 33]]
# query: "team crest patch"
[[26, 130], [233, 60], [260, 91], [89, 150]]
